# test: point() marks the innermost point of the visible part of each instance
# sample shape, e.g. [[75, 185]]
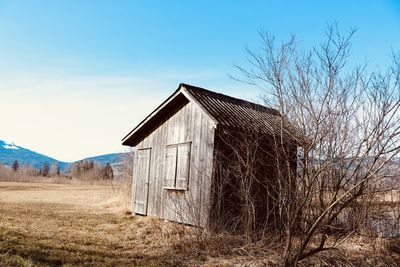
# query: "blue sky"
[[78, 75]]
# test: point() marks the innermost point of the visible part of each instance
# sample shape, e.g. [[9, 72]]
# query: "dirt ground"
[[84, 225]]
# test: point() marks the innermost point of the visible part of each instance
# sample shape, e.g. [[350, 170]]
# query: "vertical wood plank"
[[182, 168], [187, 125], [142, 181]]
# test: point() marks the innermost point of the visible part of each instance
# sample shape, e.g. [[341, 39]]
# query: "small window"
[[177, 164]]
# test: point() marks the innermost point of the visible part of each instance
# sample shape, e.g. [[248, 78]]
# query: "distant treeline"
[[84, 169]]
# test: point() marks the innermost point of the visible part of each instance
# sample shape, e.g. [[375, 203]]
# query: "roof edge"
[[148, 117], [192, 98], [271, 110], [180, 90]]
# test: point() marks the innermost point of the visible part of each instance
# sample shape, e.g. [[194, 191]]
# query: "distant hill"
[[9, 152], [107, 158]]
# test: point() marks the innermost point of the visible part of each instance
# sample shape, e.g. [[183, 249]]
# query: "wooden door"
[[142, 181]]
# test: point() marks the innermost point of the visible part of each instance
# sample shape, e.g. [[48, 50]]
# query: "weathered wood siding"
[[143, 161], [188, 125]]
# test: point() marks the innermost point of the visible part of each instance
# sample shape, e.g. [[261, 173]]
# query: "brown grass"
[[53, 225], [83, 225]]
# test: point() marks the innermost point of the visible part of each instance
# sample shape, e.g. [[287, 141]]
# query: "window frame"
[[165, 178]]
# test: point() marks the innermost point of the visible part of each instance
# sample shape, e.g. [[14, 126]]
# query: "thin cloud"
[[70, 117]]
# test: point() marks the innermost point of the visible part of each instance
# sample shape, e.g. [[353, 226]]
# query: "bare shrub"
[[85, 170], [351, 121], [28, 174], [122, 184], [393, 245]]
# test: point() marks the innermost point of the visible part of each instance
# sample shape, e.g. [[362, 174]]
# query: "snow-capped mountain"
[[9, 145], [9, 152]]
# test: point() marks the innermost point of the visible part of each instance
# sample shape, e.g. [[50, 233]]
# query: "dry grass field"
[[81, 225], [84, 225]]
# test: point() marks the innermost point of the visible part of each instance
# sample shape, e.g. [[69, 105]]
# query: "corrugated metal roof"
[[237, 113], [227, 111]]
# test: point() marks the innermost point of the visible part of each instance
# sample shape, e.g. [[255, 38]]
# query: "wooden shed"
[[176, 152]]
